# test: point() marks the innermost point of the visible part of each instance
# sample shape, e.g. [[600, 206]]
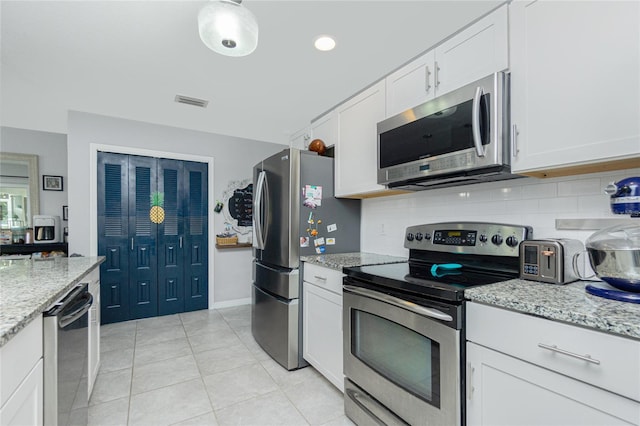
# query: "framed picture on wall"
[[65, 212], [51, 183]]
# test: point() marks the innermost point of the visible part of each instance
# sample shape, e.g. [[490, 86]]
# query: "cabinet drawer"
[[558, 347], [326, 278]]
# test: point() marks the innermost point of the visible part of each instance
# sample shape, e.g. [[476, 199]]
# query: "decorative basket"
[[227, 241]]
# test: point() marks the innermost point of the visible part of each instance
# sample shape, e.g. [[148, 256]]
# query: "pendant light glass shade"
[[227, 27]]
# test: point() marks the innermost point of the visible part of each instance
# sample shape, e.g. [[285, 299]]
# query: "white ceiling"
[[130, 58]]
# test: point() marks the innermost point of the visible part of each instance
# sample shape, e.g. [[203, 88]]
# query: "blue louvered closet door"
[[196, 231], [151, 269]]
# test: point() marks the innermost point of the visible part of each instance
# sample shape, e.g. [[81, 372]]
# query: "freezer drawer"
[[279, 281], [274, 324]]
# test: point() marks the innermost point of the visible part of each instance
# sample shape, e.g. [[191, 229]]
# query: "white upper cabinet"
[[411, 85], [575, 80], [356, 156], [300, 139], [325, 128], [471, 54]]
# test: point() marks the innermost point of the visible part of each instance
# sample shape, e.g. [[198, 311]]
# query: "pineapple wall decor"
[[156, 214]]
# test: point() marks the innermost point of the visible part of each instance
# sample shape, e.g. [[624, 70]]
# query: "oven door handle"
[[396, 301]]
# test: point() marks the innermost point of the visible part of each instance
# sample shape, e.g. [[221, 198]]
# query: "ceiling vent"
[[191, 101]]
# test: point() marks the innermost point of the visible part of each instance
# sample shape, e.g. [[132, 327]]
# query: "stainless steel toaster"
[[551, 261]]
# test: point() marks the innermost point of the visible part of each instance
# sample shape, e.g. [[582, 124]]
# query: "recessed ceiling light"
[[324, 43]]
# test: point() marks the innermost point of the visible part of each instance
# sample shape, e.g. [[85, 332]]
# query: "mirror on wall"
[[19, 195]]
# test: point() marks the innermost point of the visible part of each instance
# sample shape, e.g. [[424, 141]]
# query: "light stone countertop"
[[568, 303], [28, 287], [346, 260]]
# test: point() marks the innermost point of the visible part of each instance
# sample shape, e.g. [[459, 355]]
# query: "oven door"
[[406, 362]]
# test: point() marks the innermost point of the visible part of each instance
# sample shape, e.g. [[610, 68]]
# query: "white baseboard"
[[231, 303]]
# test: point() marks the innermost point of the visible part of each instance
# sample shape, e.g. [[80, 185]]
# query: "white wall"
[[51, 149], [234, 159], [527, 201]]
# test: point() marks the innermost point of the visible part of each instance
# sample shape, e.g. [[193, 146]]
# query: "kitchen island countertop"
[[568, 303], [346, 260], [28, 287]]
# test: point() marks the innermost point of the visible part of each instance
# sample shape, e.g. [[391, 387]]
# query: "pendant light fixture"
[[228, 28]]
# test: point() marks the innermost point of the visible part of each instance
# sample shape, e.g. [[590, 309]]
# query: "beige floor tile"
[[223, 359], [111, 386], [159, 374], [112, 413], [208, 325], [237, 385], [154, 352], [208, 419], [118, 327], [267, 410], [237, 316], [150, 335], [340, 421], [159, 322], [199, 316], [169, 405], [317, 399], [214, 340], [116, 360], [117, 340], [286, 378]]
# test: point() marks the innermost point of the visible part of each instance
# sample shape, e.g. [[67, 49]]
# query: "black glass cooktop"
[[445, 281]]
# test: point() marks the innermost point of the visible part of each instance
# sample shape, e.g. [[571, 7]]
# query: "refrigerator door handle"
[[257, 210]]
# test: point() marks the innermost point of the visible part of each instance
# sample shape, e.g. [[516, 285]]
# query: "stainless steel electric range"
[[404, 323]]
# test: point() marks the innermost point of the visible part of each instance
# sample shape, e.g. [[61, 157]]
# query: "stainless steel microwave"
[[458, 138]]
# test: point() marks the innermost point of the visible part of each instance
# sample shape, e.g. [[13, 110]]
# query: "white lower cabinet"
[[322, 321], [94, 329], [21, 377], [524, 370]]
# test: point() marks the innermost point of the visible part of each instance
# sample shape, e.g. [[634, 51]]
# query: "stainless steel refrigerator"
[[294, 214]]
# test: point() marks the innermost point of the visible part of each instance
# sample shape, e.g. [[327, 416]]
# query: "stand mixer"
[[614, 252]]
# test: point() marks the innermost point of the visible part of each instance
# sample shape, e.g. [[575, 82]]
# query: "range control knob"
[[512, 241], [483, 238], [496, 239], [409, 236], [427, 236], [419, 236]]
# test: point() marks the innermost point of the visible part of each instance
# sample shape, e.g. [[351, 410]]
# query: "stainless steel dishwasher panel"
[[66, 359]]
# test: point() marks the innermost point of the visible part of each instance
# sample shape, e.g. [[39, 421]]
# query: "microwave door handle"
[[475, 122], [257, 210]]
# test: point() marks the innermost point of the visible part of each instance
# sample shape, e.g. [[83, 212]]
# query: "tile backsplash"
[[525, 201]]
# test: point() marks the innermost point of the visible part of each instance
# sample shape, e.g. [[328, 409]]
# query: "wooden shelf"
[[231, 246]]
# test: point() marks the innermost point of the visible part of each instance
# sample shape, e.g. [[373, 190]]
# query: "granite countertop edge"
[[338, 261], [10, 327], [568, 303]]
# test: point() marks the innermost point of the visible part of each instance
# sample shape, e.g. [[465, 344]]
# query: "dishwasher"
[[66, 335]]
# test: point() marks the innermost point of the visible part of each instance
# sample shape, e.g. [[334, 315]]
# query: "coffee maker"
[[46, 229]]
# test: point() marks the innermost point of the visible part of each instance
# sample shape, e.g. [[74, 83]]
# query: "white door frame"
[[94, 148]]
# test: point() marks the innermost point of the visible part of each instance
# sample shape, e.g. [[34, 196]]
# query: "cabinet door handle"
[[180, 241], [436, 74], [470, 388], [514, 140], [320, 277], [554, 348], [131, 243], [427, 74]]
